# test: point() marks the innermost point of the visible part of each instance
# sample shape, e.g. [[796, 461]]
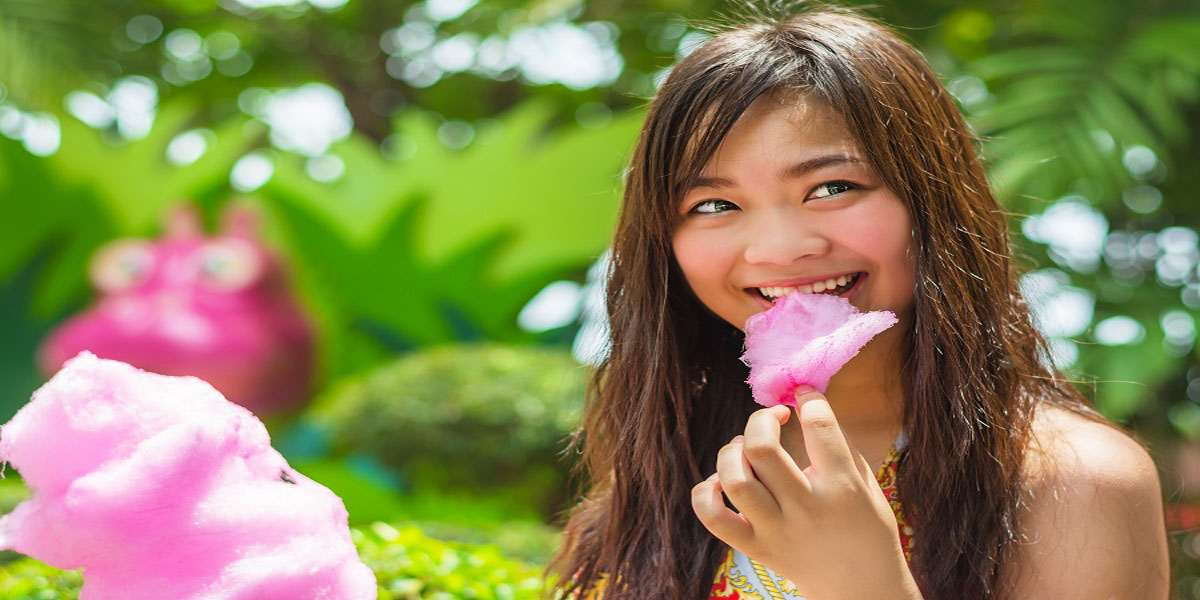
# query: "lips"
[[765, 303], [797, 282]]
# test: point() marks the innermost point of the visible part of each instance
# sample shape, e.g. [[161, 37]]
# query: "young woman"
[[946, 461]]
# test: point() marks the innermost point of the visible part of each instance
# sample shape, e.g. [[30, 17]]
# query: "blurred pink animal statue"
[[161, 489], [215, 307]]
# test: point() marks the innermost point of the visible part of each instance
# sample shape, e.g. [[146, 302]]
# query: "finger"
[[727, 525], [742, 485], [827, 447], [864, 467], [764, 450]]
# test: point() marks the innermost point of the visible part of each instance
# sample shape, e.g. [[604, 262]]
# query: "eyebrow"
[[794, 171]]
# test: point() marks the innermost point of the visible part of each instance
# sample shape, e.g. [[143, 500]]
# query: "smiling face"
[[789, 200]]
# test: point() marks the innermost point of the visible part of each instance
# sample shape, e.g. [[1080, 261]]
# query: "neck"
[[867, 394]]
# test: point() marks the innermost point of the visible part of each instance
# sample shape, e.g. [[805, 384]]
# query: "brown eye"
[[121, 265], [229, 264]]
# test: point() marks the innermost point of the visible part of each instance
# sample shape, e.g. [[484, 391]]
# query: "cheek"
[[886, 243], [703, 260], [886, 239]]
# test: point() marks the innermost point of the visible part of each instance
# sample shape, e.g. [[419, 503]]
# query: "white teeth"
[[816, 287]]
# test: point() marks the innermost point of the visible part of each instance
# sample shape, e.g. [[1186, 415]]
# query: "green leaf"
[[133, 179]]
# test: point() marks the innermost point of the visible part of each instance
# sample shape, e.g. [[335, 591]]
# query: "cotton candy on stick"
[[160, 488], [805, 339]]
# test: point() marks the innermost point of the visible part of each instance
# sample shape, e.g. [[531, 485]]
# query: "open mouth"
[[772, 294]]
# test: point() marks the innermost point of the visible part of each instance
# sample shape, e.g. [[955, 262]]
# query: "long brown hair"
[[672, 390]]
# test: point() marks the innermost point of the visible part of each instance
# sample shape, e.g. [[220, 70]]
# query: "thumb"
[[803, 393]]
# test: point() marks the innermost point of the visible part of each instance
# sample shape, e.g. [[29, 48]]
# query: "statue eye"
[[121, 265], [229, 264]]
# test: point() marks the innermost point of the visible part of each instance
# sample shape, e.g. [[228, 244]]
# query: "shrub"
[[408, 565], [485, 419]]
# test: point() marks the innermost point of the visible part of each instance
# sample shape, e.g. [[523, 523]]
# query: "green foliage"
[[28, 579], [401, 254], [396, 255], [133, 180], [505, 520], [1075, 89], [487, 420], [549, 187], [365, 499], [1062, 96], [12, 493], [408, 565], [50, 216], [46, 46]]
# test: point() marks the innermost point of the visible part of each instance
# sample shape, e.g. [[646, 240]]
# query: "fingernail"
[[737, 438], [712, 477], [804, 389]]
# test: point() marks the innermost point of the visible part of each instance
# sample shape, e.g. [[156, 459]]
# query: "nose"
[[782, 239]]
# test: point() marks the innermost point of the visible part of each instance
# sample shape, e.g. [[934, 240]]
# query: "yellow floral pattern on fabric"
[[735, 585]]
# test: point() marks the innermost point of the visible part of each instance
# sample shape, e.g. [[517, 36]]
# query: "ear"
[[240, 219], [183, 221]]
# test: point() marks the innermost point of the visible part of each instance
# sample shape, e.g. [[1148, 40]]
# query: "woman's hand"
[[828, 527]]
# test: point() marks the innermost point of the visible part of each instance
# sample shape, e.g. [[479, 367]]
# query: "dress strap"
[[901, 440]]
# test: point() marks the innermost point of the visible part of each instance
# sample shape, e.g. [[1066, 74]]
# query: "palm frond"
[[48, 47], [1069, 84]]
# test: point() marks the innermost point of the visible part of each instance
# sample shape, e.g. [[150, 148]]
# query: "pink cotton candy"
[[161, 489], [805, 339]]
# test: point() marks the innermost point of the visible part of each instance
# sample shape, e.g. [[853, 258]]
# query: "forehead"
[[785, 128]]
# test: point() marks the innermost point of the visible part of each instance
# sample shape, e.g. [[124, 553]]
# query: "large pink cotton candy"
[[805, 339], [161, 489]]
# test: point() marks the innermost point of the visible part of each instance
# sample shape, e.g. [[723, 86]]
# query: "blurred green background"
[[441, 176]]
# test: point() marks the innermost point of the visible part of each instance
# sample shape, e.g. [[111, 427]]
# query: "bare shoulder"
[[1072, 449], [1093, 524]]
